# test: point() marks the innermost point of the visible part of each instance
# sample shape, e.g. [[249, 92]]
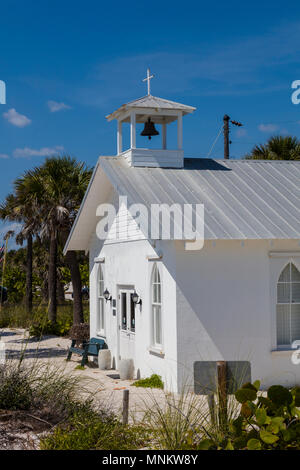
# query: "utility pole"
[[226, 136], [226, 120]]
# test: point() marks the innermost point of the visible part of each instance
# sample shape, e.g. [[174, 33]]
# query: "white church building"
[[165, 306]]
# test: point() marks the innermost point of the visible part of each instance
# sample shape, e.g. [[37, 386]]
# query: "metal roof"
[[150, 101], [243, 199]]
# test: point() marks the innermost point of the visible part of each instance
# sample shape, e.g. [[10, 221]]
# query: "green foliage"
[[84, 272], [245, 394], [38, 385], [88, 432], [266, 423], [15, 390], [280, 395], [16, 316], [12, 316], [254, 444], [42, 326], [65, 274], [206, 444], [14, 280], [277, 148], [45, 327], [150, 382], [177, 421]]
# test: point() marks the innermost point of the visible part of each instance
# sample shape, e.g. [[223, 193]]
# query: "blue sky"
[[67, 64]]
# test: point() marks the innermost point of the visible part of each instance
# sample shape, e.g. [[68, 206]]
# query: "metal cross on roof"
[[147, 79]]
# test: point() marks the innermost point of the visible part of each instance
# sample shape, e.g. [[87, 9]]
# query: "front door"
[[127, 324]]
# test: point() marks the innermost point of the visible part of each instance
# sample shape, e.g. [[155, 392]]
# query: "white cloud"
[[54, 106], [28, 152], [4, 155], [268, 127], [16, 119]]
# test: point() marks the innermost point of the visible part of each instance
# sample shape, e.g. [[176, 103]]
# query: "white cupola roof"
[[151, 110], [154, 103]]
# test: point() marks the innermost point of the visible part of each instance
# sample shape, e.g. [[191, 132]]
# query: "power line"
[[215, 141], [243, 142], [226, 134]]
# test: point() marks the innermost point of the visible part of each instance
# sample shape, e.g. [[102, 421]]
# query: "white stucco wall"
[[219, 303], [226, 307], [126, 265]]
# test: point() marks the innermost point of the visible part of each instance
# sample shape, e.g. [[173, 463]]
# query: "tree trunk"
[[60, 293], [45, 292], [52, 278], [73, 265], [28, 294]]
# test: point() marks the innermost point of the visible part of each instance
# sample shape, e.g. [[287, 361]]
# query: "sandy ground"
[[105, 385]]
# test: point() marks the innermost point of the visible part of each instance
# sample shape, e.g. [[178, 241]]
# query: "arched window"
[[288, 306], [156, 288], [101, 302]]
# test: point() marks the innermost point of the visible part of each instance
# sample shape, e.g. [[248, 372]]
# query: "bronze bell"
[[149, 129]]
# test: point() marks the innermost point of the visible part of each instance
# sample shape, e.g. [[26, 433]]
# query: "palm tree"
[[277, 148], [56, 190], [13, 210]]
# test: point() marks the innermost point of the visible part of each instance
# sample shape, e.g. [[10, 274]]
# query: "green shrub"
[[95, 432], [16, 316], [46, 390], [266, 423], [177, 421], [38, 385], [150, 382], [45, 327], [75, 419], [12, 316], [15, 390]]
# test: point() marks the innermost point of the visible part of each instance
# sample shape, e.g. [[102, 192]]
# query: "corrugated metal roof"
[[150, 101], [243, 199]]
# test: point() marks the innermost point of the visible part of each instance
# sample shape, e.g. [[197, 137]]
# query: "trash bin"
[[104, 359], [126, 369]]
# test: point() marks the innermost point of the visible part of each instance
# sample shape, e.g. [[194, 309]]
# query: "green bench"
[[91, 348]]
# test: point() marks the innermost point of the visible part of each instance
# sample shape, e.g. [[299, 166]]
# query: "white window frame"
[[154, 305], [290, 283], [100, 326], [129, 328]]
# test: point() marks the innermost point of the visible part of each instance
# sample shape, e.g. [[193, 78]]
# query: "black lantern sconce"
[[107, 295], [136, 299]]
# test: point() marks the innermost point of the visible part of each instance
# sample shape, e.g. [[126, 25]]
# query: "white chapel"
[[164, 307]]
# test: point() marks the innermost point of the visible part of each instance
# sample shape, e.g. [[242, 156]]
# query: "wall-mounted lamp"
[[136, 299], [107, 295]]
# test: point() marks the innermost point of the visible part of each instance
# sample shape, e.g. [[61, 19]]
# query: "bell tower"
[[151, 111]]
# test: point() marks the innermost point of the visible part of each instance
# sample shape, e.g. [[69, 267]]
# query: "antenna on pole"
[[227, 142]]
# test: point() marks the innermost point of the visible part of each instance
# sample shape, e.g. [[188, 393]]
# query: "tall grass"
[[39, 385], [66, 404], [16, 316], [184, 420]]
